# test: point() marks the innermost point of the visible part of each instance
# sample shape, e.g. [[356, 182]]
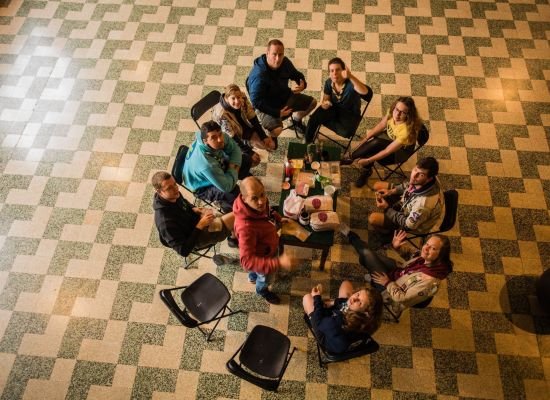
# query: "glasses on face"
[[399, 112]]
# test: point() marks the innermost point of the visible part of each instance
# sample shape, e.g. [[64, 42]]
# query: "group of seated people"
[[223, 153]]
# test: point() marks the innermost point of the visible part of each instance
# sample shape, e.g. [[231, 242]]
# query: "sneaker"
[[363, 178], [346, 161], [368, 278], [271, 297], [299, 127], [250, 280], [397, 309], [232, 242], [344, 229]]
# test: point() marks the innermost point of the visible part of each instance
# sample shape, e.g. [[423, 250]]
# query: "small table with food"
[[322, 162]]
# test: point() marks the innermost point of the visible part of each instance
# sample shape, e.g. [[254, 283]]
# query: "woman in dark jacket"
[[349, 318]]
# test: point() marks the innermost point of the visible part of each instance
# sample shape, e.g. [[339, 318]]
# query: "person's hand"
[[381, 203], [346, 73], [399, 238], [326, 104], [269, 143], [380, 278], [205, 221], [298, 88], [285, 262], [285, 111], [255, 159], [317, 290], [384, 192]]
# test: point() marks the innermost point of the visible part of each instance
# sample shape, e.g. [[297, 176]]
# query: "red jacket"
[[258, 239]]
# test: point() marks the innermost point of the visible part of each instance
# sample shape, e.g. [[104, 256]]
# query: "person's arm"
[[375, 131], [248, 240], [294, 74], [358, 86], [223, 180], [258, 90]]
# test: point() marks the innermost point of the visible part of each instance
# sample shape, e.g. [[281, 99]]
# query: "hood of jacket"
[[242, 210]]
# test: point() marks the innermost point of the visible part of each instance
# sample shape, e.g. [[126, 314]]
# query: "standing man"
[[413, 206], [212, 166], [256, 231], [270, 95]]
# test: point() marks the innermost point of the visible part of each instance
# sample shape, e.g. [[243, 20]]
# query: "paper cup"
[[329, 190]]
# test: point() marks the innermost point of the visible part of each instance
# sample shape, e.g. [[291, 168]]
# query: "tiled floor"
[[95, 97]]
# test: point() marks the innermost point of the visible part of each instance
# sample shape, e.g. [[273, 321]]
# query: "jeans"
[[261, 282]]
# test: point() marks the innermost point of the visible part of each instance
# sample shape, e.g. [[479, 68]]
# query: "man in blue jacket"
[[212, 166], [270, 95]]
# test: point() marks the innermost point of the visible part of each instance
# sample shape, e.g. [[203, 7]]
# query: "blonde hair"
[[232, 89]]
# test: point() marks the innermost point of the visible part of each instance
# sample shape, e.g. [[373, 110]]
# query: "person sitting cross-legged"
[[415, 280], [182, 226], [343, 321], [213, 166], [399, 128]]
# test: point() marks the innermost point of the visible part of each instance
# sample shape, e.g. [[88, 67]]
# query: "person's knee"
[[376, 219], [276, 131], [380, 185]]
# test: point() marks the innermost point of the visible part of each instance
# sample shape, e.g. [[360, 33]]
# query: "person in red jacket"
[[256, 231]]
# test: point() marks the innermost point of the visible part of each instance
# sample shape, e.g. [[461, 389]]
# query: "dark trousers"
[[370, 148], [343, 122], [226, 199], [371, 260]]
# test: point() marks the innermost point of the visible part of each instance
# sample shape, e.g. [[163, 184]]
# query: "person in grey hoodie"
[[270, 95]]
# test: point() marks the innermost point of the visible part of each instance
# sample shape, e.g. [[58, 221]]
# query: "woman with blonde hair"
[[237, 118], [351, 317], [399, 128]]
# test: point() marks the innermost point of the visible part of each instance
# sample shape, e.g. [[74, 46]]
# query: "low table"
[[317, 240]]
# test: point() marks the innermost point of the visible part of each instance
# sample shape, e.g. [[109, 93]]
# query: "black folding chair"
[[366, 98], [449, 218], [263, 358], [361, 348], [197, 253], [204, 301], [203, 105], [392, 164], [396, 316]]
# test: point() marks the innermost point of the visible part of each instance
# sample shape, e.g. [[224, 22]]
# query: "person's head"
[[437, 250], [253, 193], [364, 312], [425, 170], [165, 186], [212, 136], [275, 53], [233, 96], [403, 111], [335, 68]]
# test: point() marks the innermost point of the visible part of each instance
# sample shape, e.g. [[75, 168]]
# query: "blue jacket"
[[207, 167], [268, 88]]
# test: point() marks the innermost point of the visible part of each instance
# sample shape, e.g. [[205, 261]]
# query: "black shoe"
[[363, 178], [271, 297], [299, 127], [232, 242], [218, 259], [346, 161]]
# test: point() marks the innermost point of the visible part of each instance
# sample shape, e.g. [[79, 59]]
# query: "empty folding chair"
[[263, 358], [204, 301]]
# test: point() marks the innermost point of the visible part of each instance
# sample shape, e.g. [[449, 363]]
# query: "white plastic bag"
[[293, 205]]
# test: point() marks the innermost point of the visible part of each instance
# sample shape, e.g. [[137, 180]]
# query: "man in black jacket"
[[182, 226]]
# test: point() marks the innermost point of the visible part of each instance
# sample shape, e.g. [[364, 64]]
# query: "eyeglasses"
[[398, 111]]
